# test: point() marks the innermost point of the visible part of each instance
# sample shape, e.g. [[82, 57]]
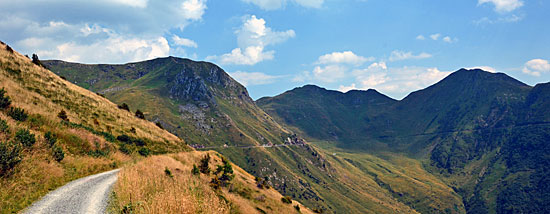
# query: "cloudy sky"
[[271, 46]]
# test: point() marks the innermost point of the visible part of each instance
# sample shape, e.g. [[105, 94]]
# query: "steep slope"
[[52, 132], [326, 114], [478, 131], [166, 184], [199, 102]]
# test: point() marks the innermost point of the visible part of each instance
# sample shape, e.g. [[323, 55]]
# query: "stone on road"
[[86, 195]]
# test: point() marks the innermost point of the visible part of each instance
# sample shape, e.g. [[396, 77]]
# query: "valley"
[[442, 149]]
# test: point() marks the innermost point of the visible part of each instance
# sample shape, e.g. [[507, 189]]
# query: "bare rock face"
[[187, 86]]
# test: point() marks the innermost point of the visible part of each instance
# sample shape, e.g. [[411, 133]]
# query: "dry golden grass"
[[40, 91], [43, 95], [146, 186]]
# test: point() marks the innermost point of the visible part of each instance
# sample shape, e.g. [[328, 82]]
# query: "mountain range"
[[474, 142]]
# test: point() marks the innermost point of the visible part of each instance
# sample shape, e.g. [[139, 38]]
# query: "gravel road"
[[86, 195]]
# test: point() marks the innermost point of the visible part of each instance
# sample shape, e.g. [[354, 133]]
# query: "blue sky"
[[272, 46]]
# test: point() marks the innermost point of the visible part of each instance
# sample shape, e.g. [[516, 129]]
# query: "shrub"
[[297, 207], [195, 170], [123, 138], [167, 172], [51, 139], [138, 141], [261, 183], [287, 200], [25, 137], [124, 106], [4, 128], [63, 115], [57, 153], [140, 114], [10, 156], [18, 114], [124, 149], [127, 209], [36, 61], [5, 100], [9, 49], [227, 172], [203, 166], [144, 151], [215, 182], [159, 125]]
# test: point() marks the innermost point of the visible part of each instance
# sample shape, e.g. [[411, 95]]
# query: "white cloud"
[[302, 77], [250, 56], [395, 81], [503, 6], [102, 25], [193, 9], [435, 36], [184, 42], [485, 68], [401, 55], [536, 66], [420, 37], [278, 4], [253, 78], [107, 46], [111, 50], [345, 89], [507, 19], [346, 57], [329, 73], [252, 38], [133, 3]]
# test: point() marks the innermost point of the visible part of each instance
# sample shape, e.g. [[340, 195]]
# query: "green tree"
[[63, 115], [5, 100], [203, 166], [25, 137], [140, 114], [10, 156]]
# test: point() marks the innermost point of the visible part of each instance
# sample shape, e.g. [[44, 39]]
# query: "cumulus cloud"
[[448, 39], [401, 55], [396, 81], [252, 38], [435, 36], [184, 42], [193, 9], [536, 67], [503, 6], [250, 56], [101, 25], [278, 4], [329, 73], [420, 37], [253, 78], [346, 57]]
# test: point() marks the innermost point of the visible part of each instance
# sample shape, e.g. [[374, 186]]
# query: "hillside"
[[52, 132], [478, 131], [166, 184], [203, 105]]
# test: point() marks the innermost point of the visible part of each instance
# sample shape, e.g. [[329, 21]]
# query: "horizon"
[[273, 46]]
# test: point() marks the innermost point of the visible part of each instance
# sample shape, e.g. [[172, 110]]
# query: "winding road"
[[86, 195]]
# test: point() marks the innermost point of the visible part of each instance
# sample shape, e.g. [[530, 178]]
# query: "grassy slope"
[[476, 131], [187, 193], [43, 95]]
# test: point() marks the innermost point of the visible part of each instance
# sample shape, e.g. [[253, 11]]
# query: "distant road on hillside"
[[86, 195]]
